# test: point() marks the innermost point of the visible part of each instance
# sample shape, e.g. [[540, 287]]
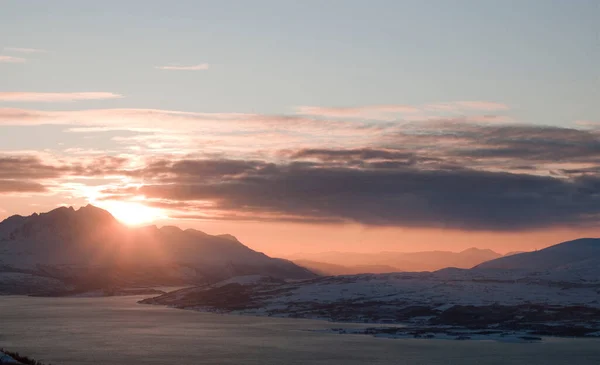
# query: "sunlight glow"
[[132, 213]]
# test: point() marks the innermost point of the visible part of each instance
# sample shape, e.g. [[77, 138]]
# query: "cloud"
[[22, 174], [362, 154], [457, 141], [123, 119], [467, 105], [42, 175], [12, 186], [408, 112], [500, 146], [377, 112], [183, 132], [24, 50], [166, 170], [199, 67], [27, 167], [30, 167], [442, 174], [55, 97], [471, 171], [397, 196], [446, 174], [588, 124], [11, 59]]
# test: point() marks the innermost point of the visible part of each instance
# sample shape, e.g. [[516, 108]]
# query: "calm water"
[[117, 331]]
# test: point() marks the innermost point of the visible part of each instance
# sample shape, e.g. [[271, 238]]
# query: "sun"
[[132, 213]]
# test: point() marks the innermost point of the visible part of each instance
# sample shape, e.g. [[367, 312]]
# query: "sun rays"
[[132, 213]]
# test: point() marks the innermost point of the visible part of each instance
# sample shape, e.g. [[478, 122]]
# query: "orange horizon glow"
[[284, 239]]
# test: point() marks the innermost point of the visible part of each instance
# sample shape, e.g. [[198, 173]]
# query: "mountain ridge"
[[89, 248], [399, 261], [553, 257]]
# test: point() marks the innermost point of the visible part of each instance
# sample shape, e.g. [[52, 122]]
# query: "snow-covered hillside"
[[564, 300], [563, 256]]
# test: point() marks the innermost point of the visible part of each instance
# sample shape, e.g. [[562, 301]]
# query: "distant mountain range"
[[67, 249], [348, 263], [323, 268]]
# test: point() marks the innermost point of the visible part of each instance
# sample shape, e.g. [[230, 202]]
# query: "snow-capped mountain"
[[571, 261], [570, 253], [88, 247]]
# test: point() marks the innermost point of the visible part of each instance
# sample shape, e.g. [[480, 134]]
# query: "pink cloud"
[[482, 105], [55, 97], [166, 120], [167, 131], [24, 50], [11, 59], [588, 123], [466, 105], [389, 112], [378, 112], [199, 67]]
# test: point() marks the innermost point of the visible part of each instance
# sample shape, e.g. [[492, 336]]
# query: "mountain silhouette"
[[88, 248], [351, 262]]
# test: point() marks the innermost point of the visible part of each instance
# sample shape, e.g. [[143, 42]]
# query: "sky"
[[309, 126]]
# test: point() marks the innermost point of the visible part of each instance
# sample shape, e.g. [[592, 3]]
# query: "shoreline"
[[396, 307], [400, 331]]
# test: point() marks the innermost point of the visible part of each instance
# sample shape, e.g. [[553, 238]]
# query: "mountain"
[[513, 253], [402, 261], [323, 268], [88, 248], [571, 261], [554, 257]]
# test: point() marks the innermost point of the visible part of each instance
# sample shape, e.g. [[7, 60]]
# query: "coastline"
[[399, 306], [403, 330]]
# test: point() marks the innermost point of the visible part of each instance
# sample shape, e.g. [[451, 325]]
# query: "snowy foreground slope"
[[557, 301]]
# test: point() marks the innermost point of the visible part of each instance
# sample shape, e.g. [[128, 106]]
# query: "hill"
[[68, 249], [567, 253]]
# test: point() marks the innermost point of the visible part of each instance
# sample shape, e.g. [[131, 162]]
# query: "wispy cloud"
[[199, 67], [24, 50], [409, 112], [587, 123], [170, 120], [55, 97], [11, 59], [162, 131], [382, 112], [467, 105]]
